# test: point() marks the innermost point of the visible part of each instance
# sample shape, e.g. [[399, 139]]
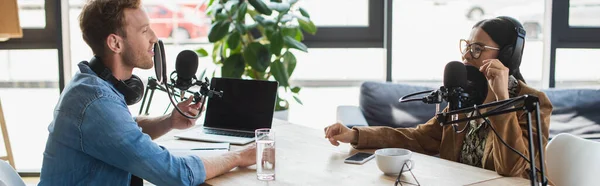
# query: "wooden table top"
[[305, 157]]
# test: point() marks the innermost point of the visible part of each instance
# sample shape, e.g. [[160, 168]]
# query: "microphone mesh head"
[[455, 75], [477, 85], [186, 64]]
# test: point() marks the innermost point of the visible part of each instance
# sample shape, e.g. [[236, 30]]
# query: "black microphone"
[[186, 66], [455, 82]]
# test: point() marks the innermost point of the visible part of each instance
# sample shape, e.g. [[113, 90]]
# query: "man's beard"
[[133, 59]]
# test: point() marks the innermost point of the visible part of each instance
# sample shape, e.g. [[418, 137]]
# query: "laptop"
[[246, 105]]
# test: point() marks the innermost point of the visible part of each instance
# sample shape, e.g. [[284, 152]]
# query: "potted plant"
[[254, 39]]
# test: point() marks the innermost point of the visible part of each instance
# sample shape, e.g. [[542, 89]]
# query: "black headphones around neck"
[[132, 88], [510, 55]]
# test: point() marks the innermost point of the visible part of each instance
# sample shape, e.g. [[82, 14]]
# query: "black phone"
[[359, 158]]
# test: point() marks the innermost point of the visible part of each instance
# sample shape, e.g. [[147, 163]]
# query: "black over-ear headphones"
[[132, 89], [510, 55]]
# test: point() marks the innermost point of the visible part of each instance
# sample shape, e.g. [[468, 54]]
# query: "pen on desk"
[[210, 149], [199, 149]]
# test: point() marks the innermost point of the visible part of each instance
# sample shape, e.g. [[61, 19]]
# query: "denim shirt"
[[94, 140]]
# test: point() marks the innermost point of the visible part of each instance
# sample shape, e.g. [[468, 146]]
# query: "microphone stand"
[[154, 85], [529, 104]]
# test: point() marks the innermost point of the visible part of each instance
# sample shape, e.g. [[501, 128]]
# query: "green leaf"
[[215, 8], [240, 28], [280, 73], [304, 12], [260, 7], [289, 62], [289, 31], [234, 40], [280, 7], [292, 43], [233, 67], [298, 100], [296, 90], [264, 21], [257, 56], [299, 35], [201, 52], [307, 25], [210, 2], [221, 16], [241, 13], [276, 40], [218, 30]]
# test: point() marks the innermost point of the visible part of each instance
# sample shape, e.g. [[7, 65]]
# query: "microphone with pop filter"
[[477, 86], [160, 64], [186, 66]]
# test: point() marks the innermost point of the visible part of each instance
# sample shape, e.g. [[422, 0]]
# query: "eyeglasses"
[[408, 169], [474, 48]]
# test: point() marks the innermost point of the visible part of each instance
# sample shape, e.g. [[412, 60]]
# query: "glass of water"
[[265, 154]]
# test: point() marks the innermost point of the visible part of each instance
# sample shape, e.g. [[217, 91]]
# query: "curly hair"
[[100, 18]]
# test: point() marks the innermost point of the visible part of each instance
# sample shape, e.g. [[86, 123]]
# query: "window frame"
[[565, 36], [371, 36]]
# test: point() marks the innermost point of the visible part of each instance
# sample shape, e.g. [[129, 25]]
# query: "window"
[[349, 28], [353, 14], [426, 35], [40, 27], [575, 68], [32, 13], [575, 29], [584, 13], [29, 91]]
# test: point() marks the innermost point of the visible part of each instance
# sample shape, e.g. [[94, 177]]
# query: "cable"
[[169, 105], [413, 94], [486, 121]]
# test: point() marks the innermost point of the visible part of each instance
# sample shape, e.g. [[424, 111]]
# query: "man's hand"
[[179, 121], [247, 156], [340, 133]]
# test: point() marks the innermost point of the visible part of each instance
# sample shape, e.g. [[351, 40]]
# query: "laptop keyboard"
[[229, 133]]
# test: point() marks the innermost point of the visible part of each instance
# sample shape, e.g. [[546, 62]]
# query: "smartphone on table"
[[359, 158]]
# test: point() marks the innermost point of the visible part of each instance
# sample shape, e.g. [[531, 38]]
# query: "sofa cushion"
[[576, 111], [379, 104]]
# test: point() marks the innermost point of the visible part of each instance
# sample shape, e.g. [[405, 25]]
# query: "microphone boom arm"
[[529, 103]]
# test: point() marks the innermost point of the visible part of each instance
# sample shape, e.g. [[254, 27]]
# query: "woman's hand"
[[497, 75]]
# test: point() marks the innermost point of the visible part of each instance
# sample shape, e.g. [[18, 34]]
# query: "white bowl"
[[390, 160]]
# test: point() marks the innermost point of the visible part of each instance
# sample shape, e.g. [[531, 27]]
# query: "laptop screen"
[[246, 104]]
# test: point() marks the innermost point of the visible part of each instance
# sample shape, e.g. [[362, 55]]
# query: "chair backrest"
[[8, 175], [573, 161]]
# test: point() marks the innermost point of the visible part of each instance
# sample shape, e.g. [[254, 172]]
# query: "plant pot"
[[282, 114]]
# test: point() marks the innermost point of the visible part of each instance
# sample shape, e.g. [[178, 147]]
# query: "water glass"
[[265, 154]]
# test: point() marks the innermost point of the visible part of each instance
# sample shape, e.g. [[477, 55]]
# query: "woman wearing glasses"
[[494, 46]]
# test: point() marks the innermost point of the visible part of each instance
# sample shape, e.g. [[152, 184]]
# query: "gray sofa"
[[576, 111]]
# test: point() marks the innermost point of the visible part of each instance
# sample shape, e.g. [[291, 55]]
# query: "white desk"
[[305, 157]]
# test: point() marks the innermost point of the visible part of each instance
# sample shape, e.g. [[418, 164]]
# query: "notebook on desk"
[[246, 105]]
